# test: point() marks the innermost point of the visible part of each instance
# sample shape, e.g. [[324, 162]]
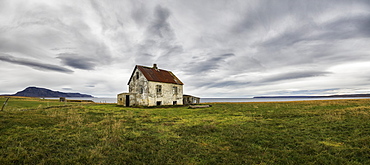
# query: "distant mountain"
[[42, 92]]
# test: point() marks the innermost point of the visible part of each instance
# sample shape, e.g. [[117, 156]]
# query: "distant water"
[[209, 100]]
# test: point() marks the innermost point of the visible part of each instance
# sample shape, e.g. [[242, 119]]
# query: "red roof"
[[157, 75]]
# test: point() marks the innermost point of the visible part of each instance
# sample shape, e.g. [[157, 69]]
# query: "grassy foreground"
[[36, 131]]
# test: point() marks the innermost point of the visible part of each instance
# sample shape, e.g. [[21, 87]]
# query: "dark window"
[[174, 89], [137, 75], [174, 102], [158, 89], [159, 103], [141, 90]]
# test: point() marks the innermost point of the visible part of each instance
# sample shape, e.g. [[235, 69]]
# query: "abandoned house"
[[150, 86]]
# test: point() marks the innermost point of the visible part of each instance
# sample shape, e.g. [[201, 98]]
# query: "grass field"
[[34, 131]]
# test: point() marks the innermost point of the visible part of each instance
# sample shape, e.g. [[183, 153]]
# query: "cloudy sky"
[[218, 48]]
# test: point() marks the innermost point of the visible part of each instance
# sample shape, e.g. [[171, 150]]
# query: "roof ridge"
[[152, 68], [157, 75]]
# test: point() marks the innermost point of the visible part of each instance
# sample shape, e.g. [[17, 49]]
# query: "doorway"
[[159, 103], [127, 100]]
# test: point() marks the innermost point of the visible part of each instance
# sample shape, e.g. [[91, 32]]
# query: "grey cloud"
[[348, 27], [288, 38], [320, 92], [160, 26], [57, 32], [315, 44], [144, 58], [245, 63], [339, 29], [159, 43], [107, 19], [212, 63], [76, 61], [139, 12], [310, 92], [234, 84], [263, 15], [294, 75], [33, 64]]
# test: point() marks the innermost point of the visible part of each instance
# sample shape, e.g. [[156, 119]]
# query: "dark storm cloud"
[[33, 64], [213, 62], [294, 75], [76, 61], [214, 83], [341, 29], [159, 43], [138, 12], [348, 27], [234, 84], [160, 26]]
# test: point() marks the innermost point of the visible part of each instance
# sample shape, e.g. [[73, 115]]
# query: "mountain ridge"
[[43, 92]]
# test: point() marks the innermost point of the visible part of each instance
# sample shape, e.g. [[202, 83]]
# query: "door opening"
[[127, 100], [159, 103]]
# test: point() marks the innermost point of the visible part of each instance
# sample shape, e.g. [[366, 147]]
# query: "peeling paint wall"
[[139, 85], [122, 98], [188, 99], [167, 96]]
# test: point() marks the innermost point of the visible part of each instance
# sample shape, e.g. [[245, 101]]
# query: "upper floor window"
[[174, 90], [158, 89], [140, 89], [137, 75]]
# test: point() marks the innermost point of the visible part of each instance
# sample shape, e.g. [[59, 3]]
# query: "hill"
[[42, 92]]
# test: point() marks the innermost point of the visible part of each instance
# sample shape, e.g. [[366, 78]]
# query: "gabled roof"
[[157, 75]]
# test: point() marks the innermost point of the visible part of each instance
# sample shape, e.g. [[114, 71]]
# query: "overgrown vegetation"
[[36, 131]]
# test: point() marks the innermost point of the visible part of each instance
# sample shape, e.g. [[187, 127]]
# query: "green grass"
[[306, 132]]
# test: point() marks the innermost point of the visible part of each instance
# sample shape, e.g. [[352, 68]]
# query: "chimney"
[[155, 66]]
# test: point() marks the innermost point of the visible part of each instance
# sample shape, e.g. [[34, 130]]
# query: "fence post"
[[6, 101]]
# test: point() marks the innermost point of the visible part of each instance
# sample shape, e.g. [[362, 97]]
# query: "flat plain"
[[36, 131]]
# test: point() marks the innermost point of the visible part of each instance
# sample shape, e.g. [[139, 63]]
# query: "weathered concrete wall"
[[167, 96], [121, 99], [139, 85], [188, 99]]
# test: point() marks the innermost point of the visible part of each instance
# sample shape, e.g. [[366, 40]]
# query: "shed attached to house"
[[188, 100]]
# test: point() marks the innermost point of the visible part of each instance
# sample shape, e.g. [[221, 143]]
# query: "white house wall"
[[167, 96], [121, 99]]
